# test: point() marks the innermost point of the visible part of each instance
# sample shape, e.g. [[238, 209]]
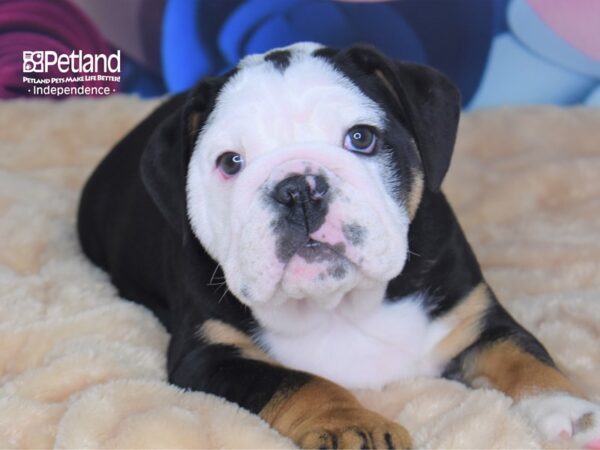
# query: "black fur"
[[132, 222], [279, 58]]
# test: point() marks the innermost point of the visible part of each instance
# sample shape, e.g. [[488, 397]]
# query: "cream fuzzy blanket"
[[80, 367]]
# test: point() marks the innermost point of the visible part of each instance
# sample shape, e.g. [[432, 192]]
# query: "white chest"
[[393, 342]]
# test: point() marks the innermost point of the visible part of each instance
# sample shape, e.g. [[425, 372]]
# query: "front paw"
[[563, 417], [352, 428]]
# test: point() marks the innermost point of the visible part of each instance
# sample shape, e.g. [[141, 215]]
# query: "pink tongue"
[[594, 445]]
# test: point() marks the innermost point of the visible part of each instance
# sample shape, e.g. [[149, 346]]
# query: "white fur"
[[394, 341], [557, 415], [282, 122]]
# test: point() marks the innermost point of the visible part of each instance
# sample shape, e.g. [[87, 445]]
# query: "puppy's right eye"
[[230, 163], [361, 139]]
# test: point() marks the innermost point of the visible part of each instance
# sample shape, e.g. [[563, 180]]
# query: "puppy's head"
[[303, 169]]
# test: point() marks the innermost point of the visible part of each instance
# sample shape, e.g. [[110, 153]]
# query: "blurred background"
[[498, 52]]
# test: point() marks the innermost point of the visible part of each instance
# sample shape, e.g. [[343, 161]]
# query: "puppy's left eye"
[[360, 139]]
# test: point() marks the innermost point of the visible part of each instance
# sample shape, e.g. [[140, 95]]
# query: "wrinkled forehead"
[[289, 95]]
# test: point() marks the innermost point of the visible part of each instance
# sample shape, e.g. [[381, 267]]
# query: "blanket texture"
[[81, 367]]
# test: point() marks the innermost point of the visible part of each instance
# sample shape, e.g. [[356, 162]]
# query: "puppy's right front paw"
[[355, 428]]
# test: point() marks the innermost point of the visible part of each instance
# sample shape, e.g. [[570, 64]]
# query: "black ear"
[[429, 103], [167, 154], [163, 171], [432, 105]]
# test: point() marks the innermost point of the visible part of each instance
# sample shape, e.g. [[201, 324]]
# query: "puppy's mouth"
[[313, 251], [316, 263]]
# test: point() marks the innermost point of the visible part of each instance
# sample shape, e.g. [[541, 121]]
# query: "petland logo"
[[75, 62], [85, 73]]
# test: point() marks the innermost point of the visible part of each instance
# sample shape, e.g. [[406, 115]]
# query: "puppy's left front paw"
[[562, 417]]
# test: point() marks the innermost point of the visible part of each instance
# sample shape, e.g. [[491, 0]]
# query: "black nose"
[[305, 199]]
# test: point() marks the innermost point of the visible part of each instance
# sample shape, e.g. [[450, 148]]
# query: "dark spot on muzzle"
[[354, 233], [338, 271], [245, 292]]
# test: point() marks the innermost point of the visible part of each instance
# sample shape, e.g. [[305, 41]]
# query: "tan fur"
[[416, 192], [217, 332], [415, 195], [322, 413], [194, 124], [466, 321], [506, 367], [584, 423]]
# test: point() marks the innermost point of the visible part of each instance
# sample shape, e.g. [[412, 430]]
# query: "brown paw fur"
[[357, 428]]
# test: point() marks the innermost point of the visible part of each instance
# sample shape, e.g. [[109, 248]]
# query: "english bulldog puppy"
[[285, 222]]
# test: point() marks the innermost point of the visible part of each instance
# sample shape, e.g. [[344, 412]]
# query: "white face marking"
[[393, 342], [285, 123]]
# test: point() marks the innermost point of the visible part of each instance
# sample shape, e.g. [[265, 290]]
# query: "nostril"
[[292, 196], [290, 191], [318, 188], [319, 194]]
